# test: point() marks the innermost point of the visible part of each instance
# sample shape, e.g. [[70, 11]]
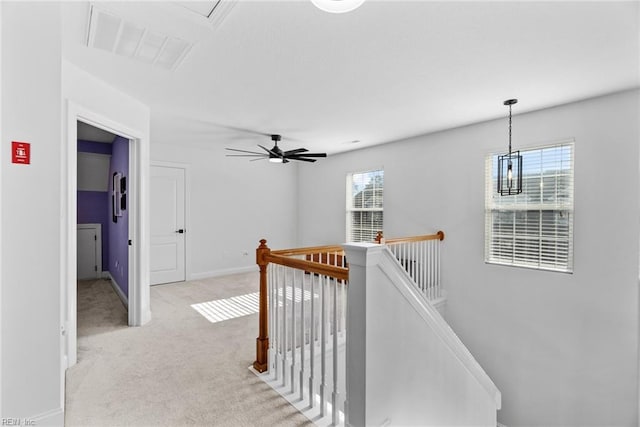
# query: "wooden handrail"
[[438, 236], [340, 273], [309, 250]]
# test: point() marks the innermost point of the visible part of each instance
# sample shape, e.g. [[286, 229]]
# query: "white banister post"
[[362, 259]]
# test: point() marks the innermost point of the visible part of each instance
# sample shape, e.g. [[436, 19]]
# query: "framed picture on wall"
[[116, 198], [123, 193]]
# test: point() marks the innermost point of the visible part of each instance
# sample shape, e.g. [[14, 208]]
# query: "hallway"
[[180, 369]]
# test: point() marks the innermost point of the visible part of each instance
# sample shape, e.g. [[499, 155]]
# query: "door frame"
[[187, 211], [139, 296]]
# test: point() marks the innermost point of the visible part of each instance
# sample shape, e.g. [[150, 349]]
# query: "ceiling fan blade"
[[302, 159], [264, 156], [267, 150], [311, 155], [296, 151], [244, 130], [208, 124], [243, 151]]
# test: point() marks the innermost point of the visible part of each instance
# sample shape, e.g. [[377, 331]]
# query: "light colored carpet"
[[178, 370]]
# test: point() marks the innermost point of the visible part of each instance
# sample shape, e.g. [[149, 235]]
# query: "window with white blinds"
[[534, 228], [364, 205]]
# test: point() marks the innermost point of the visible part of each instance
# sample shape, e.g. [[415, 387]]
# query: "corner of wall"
[[1, 210]]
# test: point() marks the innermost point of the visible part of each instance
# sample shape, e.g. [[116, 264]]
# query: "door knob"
[[181, 231]]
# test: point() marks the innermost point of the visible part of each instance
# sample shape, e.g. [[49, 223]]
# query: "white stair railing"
[[420, 256], [302, 341], [307, 317], [306, 290]]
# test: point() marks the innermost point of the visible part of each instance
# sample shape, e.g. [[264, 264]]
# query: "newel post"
[[262, 342], [364, 259]]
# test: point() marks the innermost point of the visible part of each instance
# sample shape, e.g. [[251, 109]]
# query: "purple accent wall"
[[93, 206], [94, 147], [119, 231]]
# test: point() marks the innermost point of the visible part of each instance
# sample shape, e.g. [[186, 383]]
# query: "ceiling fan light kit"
[[337, 6], [275, 154]]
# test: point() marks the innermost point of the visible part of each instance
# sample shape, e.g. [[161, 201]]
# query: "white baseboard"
[[53, 418], [116, 288], [225, 272], [106, 275]]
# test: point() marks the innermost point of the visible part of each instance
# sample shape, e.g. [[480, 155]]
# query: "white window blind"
[[364, 205], [535, 228]]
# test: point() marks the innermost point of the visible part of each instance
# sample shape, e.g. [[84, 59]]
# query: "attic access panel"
[[203, 8]]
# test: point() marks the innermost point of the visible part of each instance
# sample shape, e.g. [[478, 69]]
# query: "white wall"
[[562, 348], [1, 201], [31, 112], [233, 204], [103, 99]]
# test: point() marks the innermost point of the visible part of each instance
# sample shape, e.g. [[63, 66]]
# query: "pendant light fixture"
[[337, 6], [510, 165]]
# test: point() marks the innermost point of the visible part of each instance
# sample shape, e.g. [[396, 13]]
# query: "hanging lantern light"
[[510, 165]]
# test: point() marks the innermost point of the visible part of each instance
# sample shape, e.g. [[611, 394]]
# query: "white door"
[[167, 224], [89, 264]]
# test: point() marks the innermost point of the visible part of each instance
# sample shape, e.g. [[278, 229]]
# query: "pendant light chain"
[[509, 128]]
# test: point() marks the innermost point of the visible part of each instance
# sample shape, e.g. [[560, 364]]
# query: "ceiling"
[[86, 132], [386, 71]]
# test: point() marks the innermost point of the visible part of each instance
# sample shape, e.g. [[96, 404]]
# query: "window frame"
[[523, 252], [349, 204]]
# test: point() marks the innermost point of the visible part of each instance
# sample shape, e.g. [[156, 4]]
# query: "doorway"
[[136, 252], [101, 199]]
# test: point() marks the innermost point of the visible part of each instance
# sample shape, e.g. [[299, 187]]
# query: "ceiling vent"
[[113, 34]]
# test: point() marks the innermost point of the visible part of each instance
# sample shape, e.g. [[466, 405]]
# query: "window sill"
[[530, 267]]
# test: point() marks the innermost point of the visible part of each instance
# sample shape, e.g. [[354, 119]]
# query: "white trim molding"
[[225, 272], [54, 417], [118, 290]]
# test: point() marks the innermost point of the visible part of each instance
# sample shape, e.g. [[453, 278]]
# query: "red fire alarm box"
[[20, 152]]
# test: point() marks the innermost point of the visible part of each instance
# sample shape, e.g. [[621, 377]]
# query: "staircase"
[[400, 363]]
